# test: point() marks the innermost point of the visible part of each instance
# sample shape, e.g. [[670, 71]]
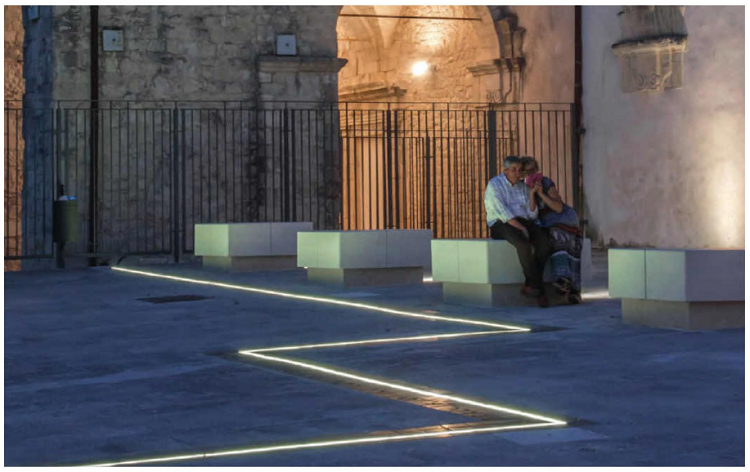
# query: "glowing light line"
[[595, 294], [360, 440], [332, 301], [418, 391], [504, 329], [375, 341]]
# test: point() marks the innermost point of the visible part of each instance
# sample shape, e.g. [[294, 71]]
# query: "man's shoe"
[[542, 301]]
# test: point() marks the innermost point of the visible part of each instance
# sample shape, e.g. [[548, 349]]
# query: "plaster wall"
[[549, 49], [666, 169]]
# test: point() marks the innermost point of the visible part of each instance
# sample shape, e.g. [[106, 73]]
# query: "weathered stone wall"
[[382, 51], [14, 84], [667, 168], [14, 88], [210, 59], [219, 53]]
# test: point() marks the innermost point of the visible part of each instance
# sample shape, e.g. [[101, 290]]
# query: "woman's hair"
[[529, 161]]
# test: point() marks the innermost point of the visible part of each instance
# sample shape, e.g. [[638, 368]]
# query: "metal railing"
[[144, 173]]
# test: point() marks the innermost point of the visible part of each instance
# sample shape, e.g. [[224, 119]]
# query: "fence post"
[[396, 179], [175, 187], [285, 162], [574, 154], [492, 144], [389, 172]]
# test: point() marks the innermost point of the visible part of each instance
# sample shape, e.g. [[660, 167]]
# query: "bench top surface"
[[256, 224], [347, 231], [676, 249]]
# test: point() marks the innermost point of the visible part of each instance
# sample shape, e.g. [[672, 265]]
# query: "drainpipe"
[[578, 120], [94, 136]]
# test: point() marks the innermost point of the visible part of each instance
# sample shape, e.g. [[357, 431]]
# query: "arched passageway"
[[421, 127]]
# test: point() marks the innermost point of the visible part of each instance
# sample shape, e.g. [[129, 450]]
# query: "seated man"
[[509, 217]]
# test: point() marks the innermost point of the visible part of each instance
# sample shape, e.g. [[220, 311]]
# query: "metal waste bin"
[[65, 221]]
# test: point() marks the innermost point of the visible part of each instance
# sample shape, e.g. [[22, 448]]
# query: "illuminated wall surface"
[[505, 418], [14, 88], [666, 169]]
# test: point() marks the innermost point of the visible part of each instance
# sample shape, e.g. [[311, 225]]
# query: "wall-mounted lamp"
[[420, 68]]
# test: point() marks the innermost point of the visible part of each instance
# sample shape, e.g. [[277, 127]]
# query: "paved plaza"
[[97, 373]]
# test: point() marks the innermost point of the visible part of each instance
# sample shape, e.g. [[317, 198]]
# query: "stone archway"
[[381, 43], [403, 134]]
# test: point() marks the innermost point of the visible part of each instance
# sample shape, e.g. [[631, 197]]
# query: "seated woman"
[[562, 222]]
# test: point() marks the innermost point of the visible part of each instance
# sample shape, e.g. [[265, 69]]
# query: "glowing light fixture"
[[354, 440], [595, 294], [256, 353], [332, 301], [420, 68], [404, 388], [376, 341]]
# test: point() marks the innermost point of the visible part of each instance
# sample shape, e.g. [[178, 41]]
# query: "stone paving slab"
[[92, 374]]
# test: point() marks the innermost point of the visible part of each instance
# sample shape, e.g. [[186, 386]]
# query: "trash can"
[[65, 221]]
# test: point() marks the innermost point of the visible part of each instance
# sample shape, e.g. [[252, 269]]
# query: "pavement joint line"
[[256, 353]]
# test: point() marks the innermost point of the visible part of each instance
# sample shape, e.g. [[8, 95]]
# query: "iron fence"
[[144, 173]]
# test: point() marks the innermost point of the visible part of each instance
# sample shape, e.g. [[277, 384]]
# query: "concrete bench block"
[[683, 315], [445, 260], [248, 239], [494, 295], [695, 275], [487, 261], [250, 263], [342, 249], [475, 261], [248, 246], [367, 277], [342, 257], [408, 247], [627, 273], [679, 288], [284, 237], [487, 272], [233, 239]]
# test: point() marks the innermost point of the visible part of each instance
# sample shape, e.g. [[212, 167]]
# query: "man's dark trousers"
[[532, 253]]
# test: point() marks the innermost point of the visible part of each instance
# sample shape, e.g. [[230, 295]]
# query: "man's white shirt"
[[504, 201]]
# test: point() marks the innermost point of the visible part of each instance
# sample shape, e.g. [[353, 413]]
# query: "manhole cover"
[[174, 298]]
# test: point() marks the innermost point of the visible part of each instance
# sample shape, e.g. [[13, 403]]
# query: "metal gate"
[[427, 165], [144, 173]]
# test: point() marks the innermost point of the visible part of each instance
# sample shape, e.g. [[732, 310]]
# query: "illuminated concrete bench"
[[692, 289], [249, 246], [351, 258], [487, 272]]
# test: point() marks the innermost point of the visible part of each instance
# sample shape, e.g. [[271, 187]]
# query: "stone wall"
[[382, 51], [14, 88], [666, 168], [213, 62]]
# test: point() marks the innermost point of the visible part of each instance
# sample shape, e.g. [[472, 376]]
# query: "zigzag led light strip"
[[545, 421], [343, 442], [332, 301]]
